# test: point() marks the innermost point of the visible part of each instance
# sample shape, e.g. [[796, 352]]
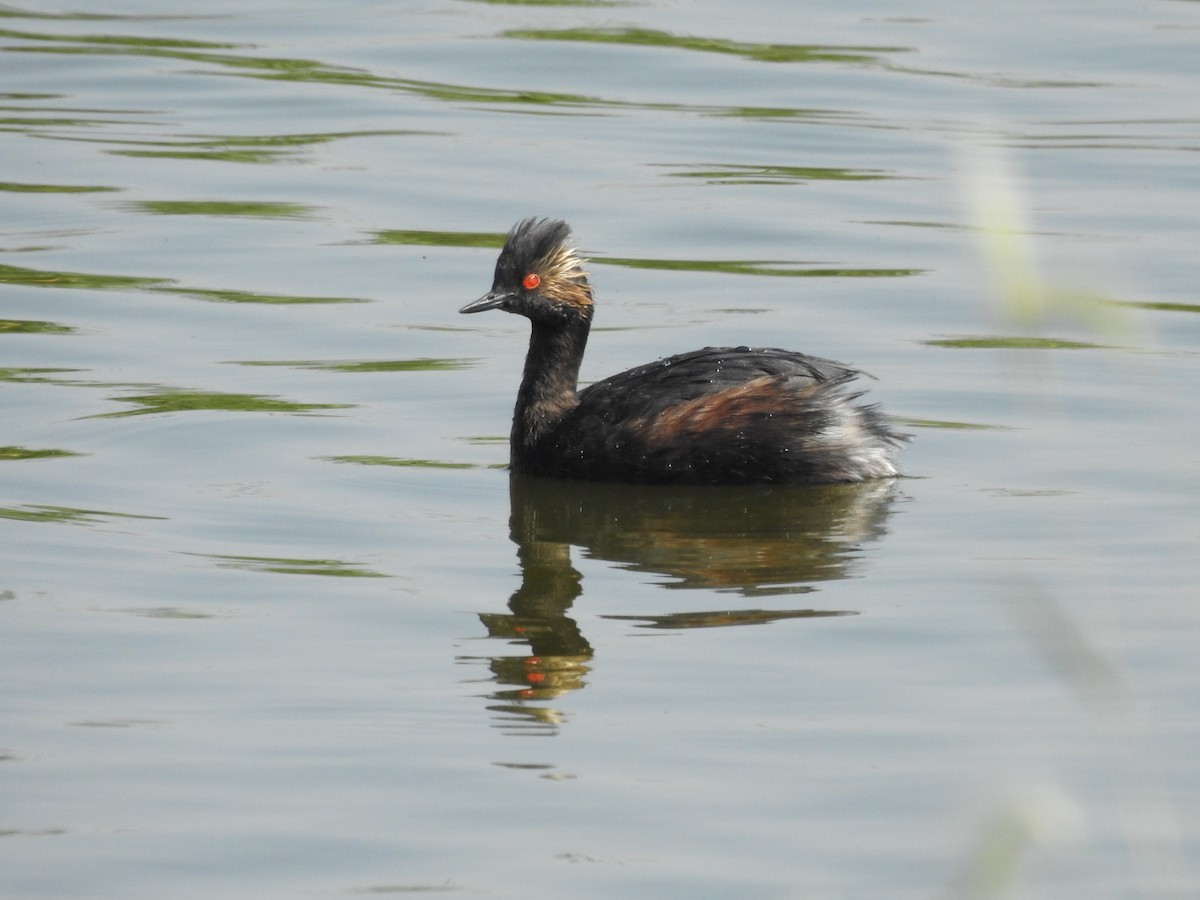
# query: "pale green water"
[[275, 624]]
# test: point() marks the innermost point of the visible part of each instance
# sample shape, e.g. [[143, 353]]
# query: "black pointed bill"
[[490, 300]]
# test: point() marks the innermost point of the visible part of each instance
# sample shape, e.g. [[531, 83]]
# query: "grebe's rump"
[[721, 415]]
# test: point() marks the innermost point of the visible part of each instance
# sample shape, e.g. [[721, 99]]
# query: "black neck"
[[551, 377]]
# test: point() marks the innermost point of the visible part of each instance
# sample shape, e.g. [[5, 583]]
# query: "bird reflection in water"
[[751, 542]]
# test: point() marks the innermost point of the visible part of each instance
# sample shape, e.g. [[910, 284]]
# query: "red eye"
[[532, 280]]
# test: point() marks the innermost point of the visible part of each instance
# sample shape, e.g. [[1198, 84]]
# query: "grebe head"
[[539, 275]]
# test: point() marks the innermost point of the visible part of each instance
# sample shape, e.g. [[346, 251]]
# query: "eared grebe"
[[722, 415]]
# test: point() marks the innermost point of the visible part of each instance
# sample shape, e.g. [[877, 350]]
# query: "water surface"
[[279, 623]]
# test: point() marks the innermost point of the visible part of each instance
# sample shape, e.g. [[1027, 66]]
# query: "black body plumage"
[[721, 415]]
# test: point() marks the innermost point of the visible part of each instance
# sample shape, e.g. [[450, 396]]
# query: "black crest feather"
[[530, 241]]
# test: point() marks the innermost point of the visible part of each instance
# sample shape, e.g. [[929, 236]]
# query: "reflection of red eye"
[[532, 280]]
